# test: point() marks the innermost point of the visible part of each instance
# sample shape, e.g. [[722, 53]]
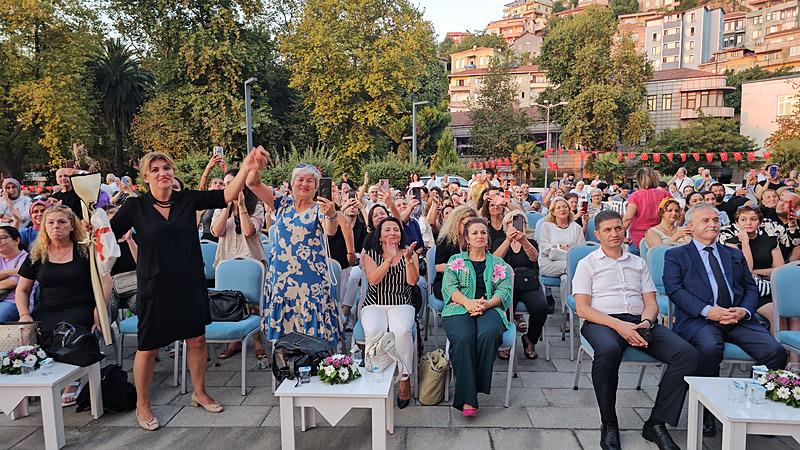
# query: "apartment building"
[[733, 30], [528, 8], [781, 49], [733, 59], [658, 5], [677, 96], [528, 43], [684, 39], [457, 36], [763, 101], [510, 29], [464, 85], [769, 17], [635, 25], [474, 58]]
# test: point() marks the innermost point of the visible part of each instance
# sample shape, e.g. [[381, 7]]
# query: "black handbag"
[[296, 350], [525, 279], [72, 344], [119, 395], [227, 306]]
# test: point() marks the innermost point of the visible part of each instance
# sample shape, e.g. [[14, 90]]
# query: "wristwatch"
[[652, 324]]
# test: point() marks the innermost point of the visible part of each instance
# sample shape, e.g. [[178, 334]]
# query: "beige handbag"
[[16, 334], [125, 283], [432, 373]]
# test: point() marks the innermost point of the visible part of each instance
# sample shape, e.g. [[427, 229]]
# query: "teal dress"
[[299, 282], [474, 340]]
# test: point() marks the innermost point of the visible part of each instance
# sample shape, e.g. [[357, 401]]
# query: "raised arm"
[[254, 162]]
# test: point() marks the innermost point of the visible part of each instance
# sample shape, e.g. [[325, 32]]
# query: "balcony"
[[712, 111], [459, 88]]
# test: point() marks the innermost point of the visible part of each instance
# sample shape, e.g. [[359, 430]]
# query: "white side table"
[[372, 390], [14, 390], [738, 419]]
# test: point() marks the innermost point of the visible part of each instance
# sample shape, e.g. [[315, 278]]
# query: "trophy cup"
[[87, 187]]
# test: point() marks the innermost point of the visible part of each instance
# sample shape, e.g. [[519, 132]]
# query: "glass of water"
[[735, 392], [357, 355]]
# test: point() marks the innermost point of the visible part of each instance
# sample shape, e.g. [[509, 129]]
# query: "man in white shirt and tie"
[[616, 297]]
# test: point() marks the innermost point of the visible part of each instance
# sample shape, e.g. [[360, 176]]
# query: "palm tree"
[[123, 86]]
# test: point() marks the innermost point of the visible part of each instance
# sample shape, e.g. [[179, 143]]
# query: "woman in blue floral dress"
[[299, 287]]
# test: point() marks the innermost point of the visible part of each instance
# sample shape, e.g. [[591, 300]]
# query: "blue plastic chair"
[[533, 218], [643, 248], [130, 327], [631, 354], [435, 305], [247, 276], [655, 262], [786, 304], [590, 228], [568, 319], [209, 249]]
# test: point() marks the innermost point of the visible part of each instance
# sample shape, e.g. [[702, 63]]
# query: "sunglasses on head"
[[308, 166]]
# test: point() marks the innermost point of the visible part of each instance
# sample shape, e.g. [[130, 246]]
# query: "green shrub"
[[397, 171], [458, 168], [190, 168]]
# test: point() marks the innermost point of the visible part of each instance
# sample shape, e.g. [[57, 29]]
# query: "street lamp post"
[[414, 129], [546, 105], [248, 112]]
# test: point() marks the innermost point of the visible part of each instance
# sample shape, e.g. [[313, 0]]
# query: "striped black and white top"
[[392, 289]]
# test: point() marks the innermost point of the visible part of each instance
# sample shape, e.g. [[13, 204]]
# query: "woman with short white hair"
[[299, 279]]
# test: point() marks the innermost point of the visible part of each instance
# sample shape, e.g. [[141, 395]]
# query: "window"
[[691, 45], [794, 51], [522, 94], [656, 50], [787, 104], [460, 82], [666, 102], [688, 58], [691, 31], [689, 100], [691, 17], [758, 20], [703, 99], [651, 103], [773, 29]]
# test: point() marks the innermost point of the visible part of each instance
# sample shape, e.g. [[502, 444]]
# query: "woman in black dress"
[[172, 298], [60, 264]]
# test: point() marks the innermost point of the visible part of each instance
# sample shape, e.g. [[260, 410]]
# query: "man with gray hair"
[[716, 299]]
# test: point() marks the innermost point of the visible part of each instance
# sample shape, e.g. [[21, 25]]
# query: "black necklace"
[[163, 204]]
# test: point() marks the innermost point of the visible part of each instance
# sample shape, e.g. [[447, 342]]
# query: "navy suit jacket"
[[688, 287]]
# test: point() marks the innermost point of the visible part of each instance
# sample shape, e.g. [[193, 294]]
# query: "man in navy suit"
[[716, 299]]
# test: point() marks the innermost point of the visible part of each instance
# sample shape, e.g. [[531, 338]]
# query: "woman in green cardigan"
[[477, 292]]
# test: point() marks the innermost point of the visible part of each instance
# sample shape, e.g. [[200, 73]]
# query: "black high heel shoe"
[[402, 403]]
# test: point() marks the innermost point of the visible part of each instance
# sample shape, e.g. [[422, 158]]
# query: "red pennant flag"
[[669, 156], [737, 156], [767, 154], [571, 151], [643, 156], [657, 157], [552, 165], [473, 166], [548, 152], [683, 157], [507, 162], [619, 156], [696, 156], [594, 152], [631, 155], [751, 156], [723, 156], [561, 151], [709, 157]]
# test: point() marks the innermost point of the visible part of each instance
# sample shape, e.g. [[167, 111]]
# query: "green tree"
[[446, 154], [619, 7], [704, 135], [786, 153], [607, 166], [498, 125], [122, 85], [431, 122], [357, 62], [604, 84], [559, 6], [527, 159], [733, 99], [46, 97]]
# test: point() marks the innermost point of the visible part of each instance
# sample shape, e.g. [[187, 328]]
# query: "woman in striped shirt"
[[391, 273]]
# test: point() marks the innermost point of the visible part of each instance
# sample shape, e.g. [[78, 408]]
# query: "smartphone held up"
[[325, 188]]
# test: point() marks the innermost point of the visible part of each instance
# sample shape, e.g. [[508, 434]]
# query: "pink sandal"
[[469, 412]]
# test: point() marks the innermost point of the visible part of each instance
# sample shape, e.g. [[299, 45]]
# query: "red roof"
[[483, 71], [680, 74], [457, 33], [735, 15]]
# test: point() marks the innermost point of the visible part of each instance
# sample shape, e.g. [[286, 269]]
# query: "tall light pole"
[[414, 129], [248, 113], [546, 105]]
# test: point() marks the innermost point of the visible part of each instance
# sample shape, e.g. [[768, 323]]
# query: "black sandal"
[[528, 348]]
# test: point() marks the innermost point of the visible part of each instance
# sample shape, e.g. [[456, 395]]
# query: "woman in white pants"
[[391, 273]]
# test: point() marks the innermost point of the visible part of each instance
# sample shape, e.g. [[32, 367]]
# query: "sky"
[[460, 15]]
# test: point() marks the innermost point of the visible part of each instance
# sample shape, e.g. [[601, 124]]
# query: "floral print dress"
[[299, 288]]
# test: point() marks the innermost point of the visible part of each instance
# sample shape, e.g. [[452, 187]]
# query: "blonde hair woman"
[[172, 299], [451, 241], [667, 231], [559, 233], [59, 263]]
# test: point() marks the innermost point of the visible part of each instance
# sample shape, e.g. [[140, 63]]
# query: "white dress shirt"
[[615, 286]]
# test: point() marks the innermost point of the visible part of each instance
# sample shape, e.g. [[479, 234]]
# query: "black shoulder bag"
[[296, 350], [227, 306], [72, 344]]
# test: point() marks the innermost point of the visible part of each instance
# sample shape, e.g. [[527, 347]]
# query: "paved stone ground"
[[545, 413]]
